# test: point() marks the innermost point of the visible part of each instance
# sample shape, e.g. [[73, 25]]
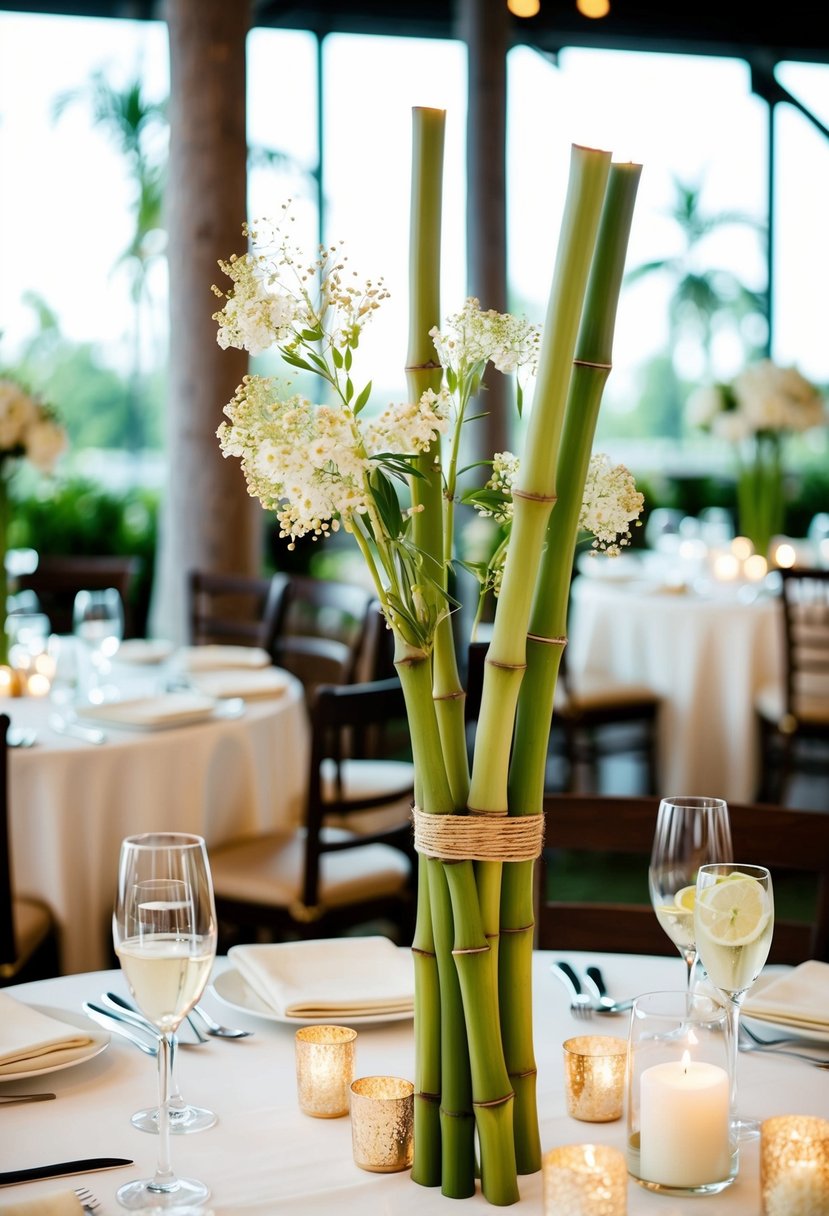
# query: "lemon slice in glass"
[[685, 898], [733, 913]]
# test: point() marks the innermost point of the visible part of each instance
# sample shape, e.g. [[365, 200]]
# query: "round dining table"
[[237, 771], [264, 1157], [707, 651]]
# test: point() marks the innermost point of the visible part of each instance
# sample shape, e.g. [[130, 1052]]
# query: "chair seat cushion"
[[595, 692], [770, 704], [362, 779], [268, 870]]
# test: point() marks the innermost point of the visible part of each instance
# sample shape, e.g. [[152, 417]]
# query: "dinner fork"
[[581, 1005], [751, 1042], [89, 1202]]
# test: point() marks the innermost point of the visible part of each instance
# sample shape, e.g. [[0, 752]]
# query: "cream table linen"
[[72, 803], [707, 656], [264, 1158]]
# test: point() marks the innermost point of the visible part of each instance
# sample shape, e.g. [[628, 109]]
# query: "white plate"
[[800, 1029], [151, 713], [100, 1042], [232, 989], [215, 657], [143, 650]]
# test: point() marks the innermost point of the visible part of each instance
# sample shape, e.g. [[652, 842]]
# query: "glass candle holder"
[[594, 1077], [679, 1134], [382, 1119], [584, 1180], [794, 1164], [324, 1069]]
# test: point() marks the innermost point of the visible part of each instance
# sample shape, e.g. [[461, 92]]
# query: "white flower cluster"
[[473, 337], [765, 398], [28, 429], [611, 502], [310, 464]]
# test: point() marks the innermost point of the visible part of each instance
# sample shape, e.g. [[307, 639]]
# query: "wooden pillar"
[[208, 519], [484, 26]]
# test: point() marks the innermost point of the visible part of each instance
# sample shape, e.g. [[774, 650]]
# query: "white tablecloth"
[[264, 1158], [72, 802], [707, 656]]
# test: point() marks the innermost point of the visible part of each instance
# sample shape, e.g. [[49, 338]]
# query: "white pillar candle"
[[684, 1123]]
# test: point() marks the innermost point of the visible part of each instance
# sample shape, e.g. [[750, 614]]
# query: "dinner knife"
[[87, 1165]]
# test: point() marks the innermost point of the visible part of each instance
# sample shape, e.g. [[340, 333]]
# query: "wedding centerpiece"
[[30, 431], [393, 480], [755, 412]]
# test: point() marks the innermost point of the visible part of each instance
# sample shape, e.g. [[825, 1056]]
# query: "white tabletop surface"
[[263, 1157], [72, 802], [706, 654]]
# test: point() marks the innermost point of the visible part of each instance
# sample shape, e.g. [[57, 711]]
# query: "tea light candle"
[[324, 1069], [594, 1077], [794, 1165], [584, 1180], [382, 1122], [684, 1118]]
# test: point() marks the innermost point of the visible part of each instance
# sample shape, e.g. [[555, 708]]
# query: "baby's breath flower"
[[764, 398], [504, 473], [411, 427], [473, 337], [28, 428], [611, 502]]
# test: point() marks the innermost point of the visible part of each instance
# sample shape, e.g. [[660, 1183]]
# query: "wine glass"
[[183, 1116], [690, 831], [98, 623], [734, 924], [164, 932]]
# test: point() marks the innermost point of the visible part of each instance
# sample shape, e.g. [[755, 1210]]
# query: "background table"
[[706, 655], [264, 1158], [71, 803]]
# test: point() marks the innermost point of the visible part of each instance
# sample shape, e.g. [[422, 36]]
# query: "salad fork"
[[581, 1005], [89, 1202]]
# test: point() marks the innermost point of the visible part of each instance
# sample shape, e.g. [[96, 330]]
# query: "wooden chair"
[[56, 580], [793, 844], [793, 720], [322, 630], [28, 930], [235, 609], [592, 719], [322, 879]]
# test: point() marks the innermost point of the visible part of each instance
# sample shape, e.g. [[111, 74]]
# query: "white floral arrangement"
[[29, 429], [765, 398]]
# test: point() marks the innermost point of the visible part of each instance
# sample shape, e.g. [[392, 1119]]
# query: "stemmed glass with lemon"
[[734, 925], [690, 831]]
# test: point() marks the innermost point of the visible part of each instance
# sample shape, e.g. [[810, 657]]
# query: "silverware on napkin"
[[86, 1165]]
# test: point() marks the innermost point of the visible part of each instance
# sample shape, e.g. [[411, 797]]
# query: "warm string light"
[[524, 8], [594, 9]]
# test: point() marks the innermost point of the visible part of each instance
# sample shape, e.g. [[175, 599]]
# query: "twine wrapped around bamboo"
[[478, 837]]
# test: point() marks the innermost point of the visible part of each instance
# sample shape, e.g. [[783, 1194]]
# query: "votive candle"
[[594, 1077], [324, 1069], [584, 1180], [382, 1120], [794, 1165], [684, 1123]]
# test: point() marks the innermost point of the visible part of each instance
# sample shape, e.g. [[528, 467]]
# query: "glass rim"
[[164, 840], [691, 801], [751, 869]]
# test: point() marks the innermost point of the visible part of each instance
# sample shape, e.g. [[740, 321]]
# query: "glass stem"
[[691, 965], [733, 1050], [164, 1179], [176, 1101]]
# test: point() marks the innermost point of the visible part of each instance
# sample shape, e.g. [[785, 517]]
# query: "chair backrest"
[[341, 714], [56, 580], [805, 597], [235, 609], [7, 935], [793, 844], [322, 628]]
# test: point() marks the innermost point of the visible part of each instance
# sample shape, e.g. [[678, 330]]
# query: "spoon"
[[604, 1003], [221, 1032]]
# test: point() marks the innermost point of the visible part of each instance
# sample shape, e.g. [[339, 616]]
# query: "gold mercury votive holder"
[[382, 1119], [585, 1180], [794, 1165], [594, 1077], [325, 1069]]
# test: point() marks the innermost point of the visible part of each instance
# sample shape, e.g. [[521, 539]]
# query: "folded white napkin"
[[63, 1203], [799, 997], [329, 978], [262, 682], [144, 650], [168, 709], [215, 657], [30, 1039]]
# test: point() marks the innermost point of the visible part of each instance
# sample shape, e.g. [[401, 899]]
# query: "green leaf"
[[336, 356], [347, 359], [386, 501], [297, 361], [362, 400], [349, 389]]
